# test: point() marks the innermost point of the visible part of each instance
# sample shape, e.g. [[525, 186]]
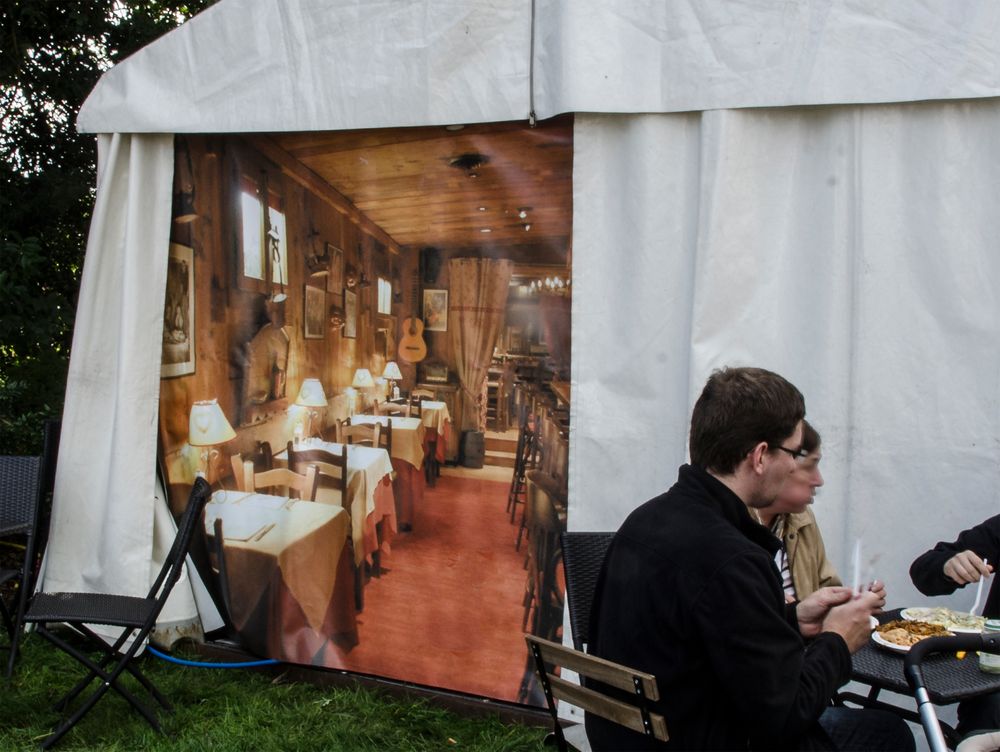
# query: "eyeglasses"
[[798, 454]]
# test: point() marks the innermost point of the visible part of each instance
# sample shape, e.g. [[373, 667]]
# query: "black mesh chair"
[[137, 617], [583, 555], [21, 490]]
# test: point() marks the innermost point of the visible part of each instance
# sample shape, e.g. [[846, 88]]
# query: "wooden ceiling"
[[407, 181]]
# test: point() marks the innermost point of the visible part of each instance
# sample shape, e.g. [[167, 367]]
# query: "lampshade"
[[207, 425], [311, 394], [392, 371], [362, 379]]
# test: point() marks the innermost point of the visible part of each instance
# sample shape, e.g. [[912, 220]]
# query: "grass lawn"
[[239, 710]]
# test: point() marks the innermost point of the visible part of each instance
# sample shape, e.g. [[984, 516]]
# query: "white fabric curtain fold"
[[101, 536], [852, 249]]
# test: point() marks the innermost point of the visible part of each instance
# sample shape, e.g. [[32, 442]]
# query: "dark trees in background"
[[51, 54]]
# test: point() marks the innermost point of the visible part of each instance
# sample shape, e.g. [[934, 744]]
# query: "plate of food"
[[901, 634], [955, 621]]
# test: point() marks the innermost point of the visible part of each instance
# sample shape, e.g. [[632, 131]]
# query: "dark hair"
[[738, 409], [810, 437]]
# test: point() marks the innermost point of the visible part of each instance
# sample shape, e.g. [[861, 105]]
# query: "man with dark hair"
[[690, 593]]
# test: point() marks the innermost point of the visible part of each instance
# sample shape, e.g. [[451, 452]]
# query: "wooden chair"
[[393, 408], [331, 469], [135, 616], [416, 397], [385, 437], [633, 713], [583, 556], [261, 458], [359, 434], [304, 486]]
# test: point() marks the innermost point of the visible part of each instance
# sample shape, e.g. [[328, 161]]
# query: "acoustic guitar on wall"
[[412, 347]]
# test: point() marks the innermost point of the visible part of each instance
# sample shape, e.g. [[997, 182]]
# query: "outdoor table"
[[948, 679]]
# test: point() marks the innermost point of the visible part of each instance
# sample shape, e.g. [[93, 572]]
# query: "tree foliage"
[[52, 53]]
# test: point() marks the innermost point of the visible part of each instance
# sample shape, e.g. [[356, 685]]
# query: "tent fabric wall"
[[851, 249], [102, 530], [846, 247], [275, 65]]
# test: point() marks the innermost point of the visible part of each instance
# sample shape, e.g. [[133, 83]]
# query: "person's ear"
[[757, 455]]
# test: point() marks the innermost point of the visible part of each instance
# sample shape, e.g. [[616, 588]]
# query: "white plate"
[[884, 643], [939, 615]]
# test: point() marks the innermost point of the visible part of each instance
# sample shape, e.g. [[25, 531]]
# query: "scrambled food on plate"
[[906, 633], [946, 618]]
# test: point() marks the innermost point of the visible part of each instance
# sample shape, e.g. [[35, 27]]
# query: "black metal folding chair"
[[136, 616], [583, 555], [21, 484]]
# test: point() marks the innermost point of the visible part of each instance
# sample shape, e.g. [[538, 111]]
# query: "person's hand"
[[852, 619], [966, 567], [878, 588], [812, 610]]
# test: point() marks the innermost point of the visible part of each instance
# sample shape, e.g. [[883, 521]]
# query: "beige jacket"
[[807, 560]]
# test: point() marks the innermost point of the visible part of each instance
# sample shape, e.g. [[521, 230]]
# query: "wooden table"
[[290, 577]]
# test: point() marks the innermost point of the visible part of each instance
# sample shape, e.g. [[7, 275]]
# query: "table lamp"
[[208, 427], [311, 394], [392, 373], [363, 380]]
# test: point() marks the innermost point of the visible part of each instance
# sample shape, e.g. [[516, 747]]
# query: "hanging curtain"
[[478, 290]]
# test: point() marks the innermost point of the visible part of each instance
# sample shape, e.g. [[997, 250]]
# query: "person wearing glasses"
[[802, 559], [954, 564], [689, 593]]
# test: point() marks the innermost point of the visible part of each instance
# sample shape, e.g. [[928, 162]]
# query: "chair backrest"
[[303, 484], [360, 434], [174, 563], [583, 554], [331, 471], [393, 408], [261, 458], [630, 710], [416, 397], [220, 573], [385, 436], [21, 484]]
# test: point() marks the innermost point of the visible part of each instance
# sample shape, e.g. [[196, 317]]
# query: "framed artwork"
[[178, 314], [336, 267], [314, 318], [436, 310], [350, 313]]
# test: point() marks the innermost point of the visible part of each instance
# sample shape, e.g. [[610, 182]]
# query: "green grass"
[[239, 710]]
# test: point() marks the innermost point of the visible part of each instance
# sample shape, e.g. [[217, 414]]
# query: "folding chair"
[[136, 616], [21, 491], [631, 710]]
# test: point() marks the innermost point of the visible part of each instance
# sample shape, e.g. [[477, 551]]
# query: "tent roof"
[[278, 65]]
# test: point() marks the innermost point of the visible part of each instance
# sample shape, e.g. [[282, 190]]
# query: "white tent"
[[809, 187]]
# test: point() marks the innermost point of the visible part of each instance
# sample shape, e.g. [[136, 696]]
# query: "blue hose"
[[209, 664]]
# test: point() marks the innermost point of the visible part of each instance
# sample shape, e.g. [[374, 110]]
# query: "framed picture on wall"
[[178, 314], [436, 310], [350, 313], [336, 268], [314, 315]]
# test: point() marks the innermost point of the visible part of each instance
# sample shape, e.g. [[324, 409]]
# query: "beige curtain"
[[478, 292]]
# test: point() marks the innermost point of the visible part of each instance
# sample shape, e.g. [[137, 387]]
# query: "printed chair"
[[582, 555], [135, 615], [365, 434], [393, 408], [606, 699], [417, 396], [21, 484], [281, 479]]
